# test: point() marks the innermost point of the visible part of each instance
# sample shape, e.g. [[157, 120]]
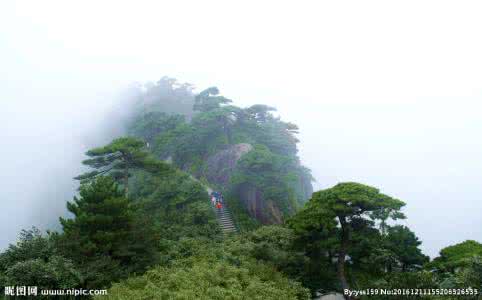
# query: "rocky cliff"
[[196, 133], [221, 166], [265, 211], [219, 170]]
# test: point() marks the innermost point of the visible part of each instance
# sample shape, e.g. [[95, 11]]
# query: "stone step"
[[225, 220], [223, 214], [227, 224]]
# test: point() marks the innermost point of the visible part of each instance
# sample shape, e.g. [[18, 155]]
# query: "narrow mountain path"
[[225, 221], [223, 215]]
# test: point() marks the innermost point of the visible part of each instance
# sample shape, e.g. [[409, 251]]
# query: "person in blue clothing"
[[217, 199], [215, 196]]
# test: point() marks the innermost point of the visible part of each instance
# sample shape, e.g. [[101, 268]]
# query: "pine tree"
[[102, 220], [105, 238], [209, 100], [344, 212], [118, 159]]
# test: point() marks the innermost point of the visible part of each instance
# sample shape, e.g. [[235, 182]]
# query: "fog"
[[385, 93]]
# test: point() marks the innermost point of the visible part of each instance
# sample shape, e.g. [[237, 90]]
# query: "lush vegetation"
[[142, 225], [113, 232], [189, 139], [214, 270]]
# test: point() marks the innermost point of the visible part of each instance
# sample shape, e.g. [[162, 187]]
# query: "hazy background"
[[386, 93]]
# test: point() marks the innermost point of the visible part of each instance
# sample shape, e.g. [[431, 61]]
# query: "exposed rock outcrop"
[[220, 166], [265, 211]]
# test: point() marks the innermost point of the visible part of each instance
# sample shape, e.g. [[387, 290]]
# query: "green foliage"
[[260, 113], [376, 253], [166, 95], [239, 213], [182, 144], [178, 205], [167, 219], [345, 204], [263, 128], [235, 269], [402, 280], [319, 245], [271, 245], [209, 99], [279, 137], [215, 126], [153, 124], [355, 200], [163, 241], [269, 173], [118, 159], [102, 219], [459, 266], [208, 280], [57, 272], [456, 256], [471, 274], [344, 216], [103, 237], [34, 261], [30, 245], [404, 244]]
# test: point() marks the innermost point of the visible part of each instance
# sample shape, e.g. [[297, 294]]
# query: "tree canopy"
[[142, 224], [342, 213], [118, 159]]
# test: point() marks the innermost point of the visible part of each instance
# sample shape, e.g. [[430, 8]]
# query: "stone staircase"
[[225, 221], [223, 216]]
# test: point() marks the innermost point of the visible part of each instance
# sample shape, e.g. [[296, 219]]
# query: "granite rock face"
[[220, 168], [263, 210]]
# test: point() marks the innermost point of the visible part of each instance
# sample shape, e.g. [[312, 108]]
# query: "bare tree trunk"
[[345, 238]]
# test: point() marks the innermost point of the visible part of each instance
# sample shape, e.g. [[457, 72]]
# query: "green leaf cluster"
[[189, 140]]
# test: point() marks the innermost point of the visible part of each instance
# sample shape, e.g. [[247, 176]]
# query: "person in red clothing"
[[219, 205]]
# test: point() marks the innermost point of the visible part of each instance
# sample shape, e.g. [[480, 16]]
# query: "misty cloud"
[[387, 94]]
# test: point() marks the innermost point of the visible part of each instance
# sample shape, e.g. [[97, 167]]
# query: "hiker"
[[219, 205], [214, 198]]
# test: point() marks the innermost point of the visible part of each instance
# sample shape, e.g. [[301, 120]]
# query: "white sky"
[[386, 92]]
